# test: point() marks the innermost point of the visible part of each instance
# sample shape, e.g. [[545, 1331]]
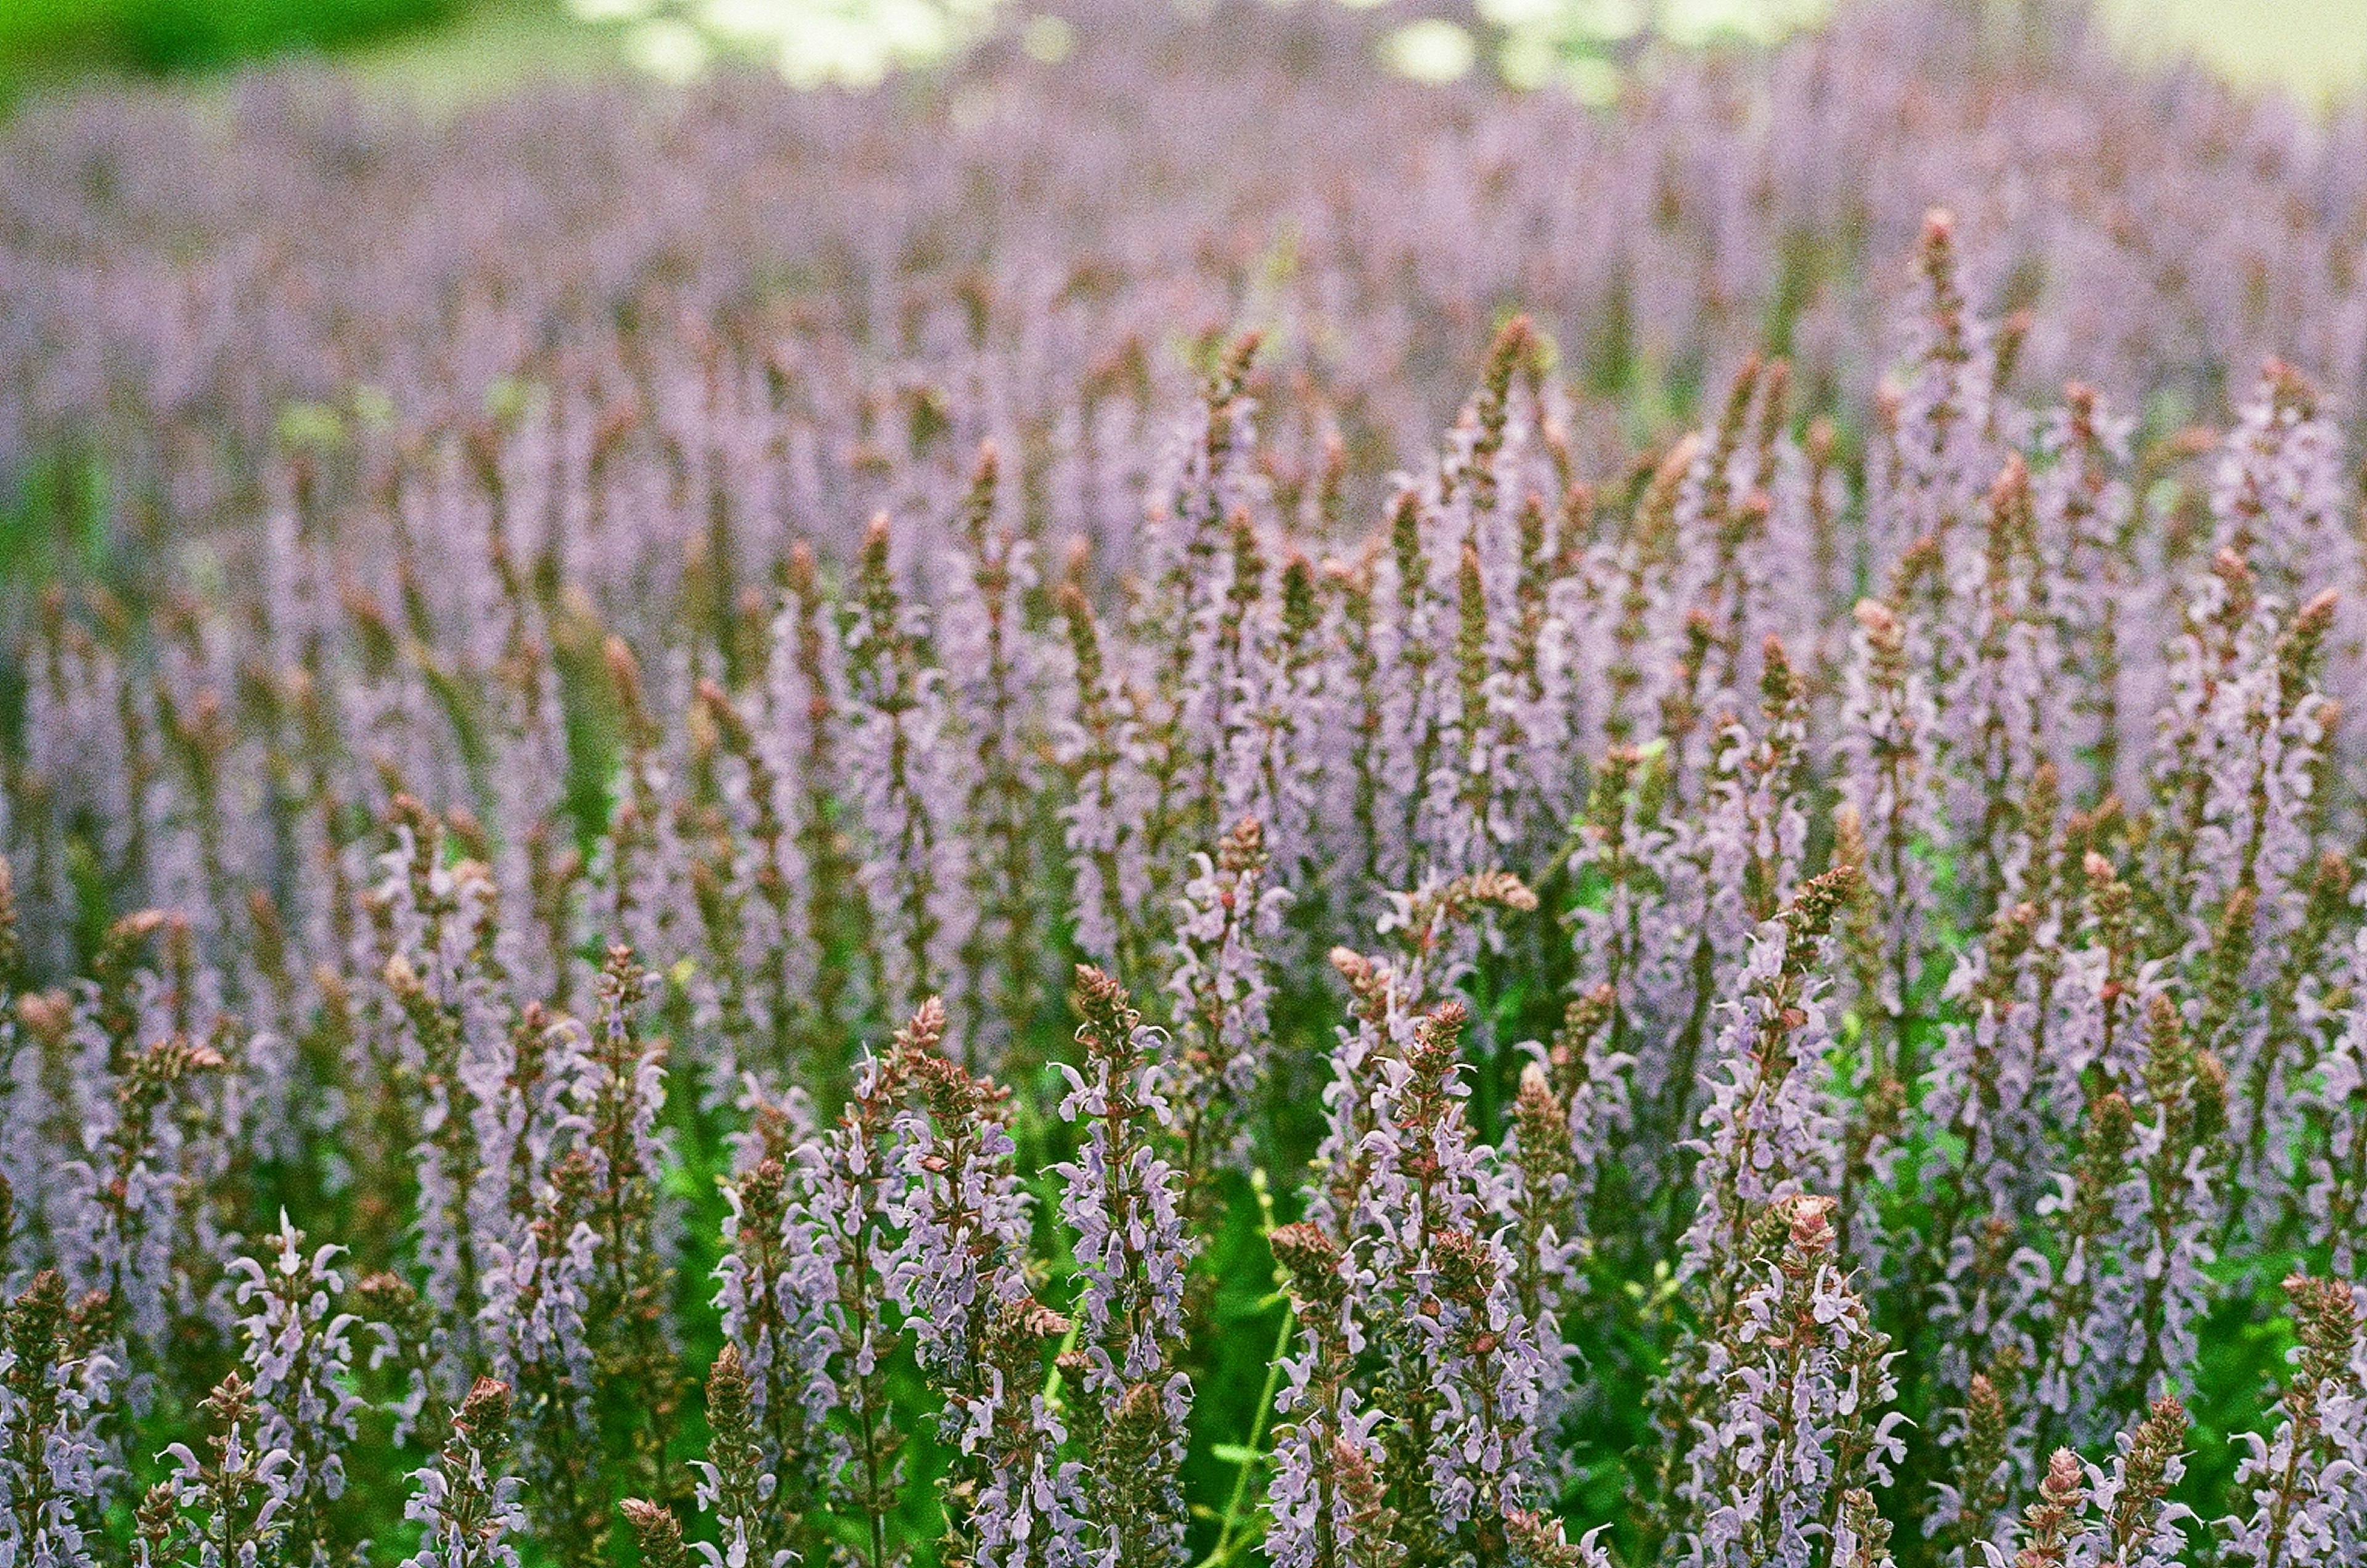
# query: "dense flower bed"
[[809, 828]]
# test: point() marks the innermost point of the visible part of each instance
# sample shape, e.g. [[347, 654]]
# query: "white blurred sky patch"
[[2315, 48]]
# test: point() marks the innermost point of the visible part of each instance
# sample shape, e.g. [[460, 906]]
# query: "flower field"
[[1189, 808]]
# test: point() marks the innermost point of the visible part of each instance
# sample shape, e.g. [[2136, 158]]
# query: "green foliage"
[[183, 35]]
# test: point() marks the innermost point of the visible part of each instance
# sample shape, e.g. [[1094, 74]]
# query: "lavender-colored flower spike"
[[962, 1280], [1004, 675], [2333, 1187], [299, 1353], [1105, 825], [2117, 1319], [2138, 1526], [122, 1203], [1461, 1373], [846, 1213], [1196, 625], [806, 739], [1893, 783], [1943, 425], [230, 1505], [906, 774], [1232, 917], [1314, 1512], [772, 1291], [2001, 713], [1795, 1424], [2082, 1308], [1545, 1178], [2276, 488], [737, 1486], [2307, 1482], [1489, 1377], [1773, 1133], [964, 1215], [579, 1284], [540, 1331], [2181, 1143], [53, 1457], [439, 928], [2115, 1516], [1028, 1510], [1627, 945], [468, 1500], [1123, 1202]]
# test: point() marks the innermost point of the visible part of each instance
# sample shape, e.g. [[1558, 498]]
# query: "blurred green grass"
[[181, 35], [433, 52]]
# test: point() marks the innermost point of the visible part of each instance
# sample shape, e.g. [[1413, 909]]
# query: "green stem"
[[1255, 1446], [1052, 1379]]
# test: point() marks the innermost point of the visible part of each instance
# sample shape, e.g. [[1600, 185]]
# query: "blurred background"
[[459, 50]]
